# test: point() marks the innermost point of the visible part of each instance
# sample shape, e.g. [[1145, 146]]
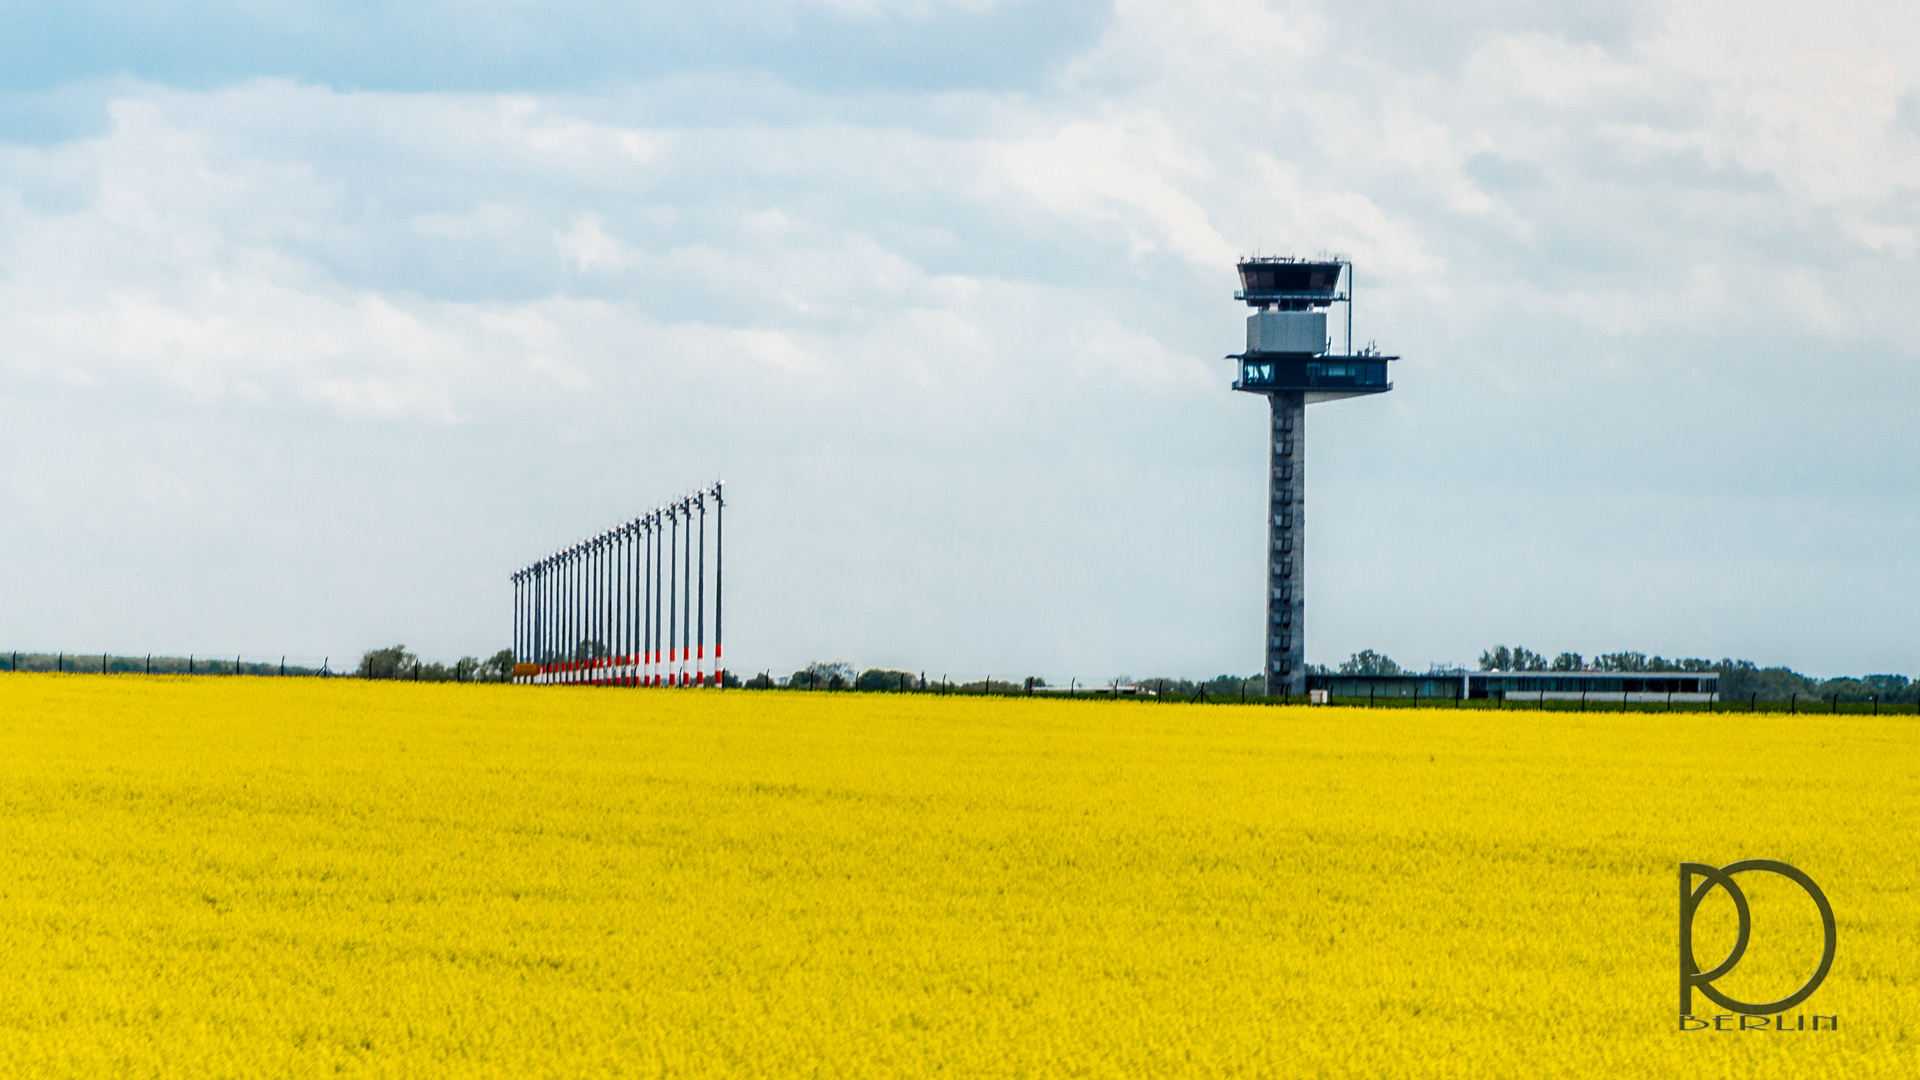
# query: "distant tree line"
[[1739, 679], [395, 662], [841, 675]]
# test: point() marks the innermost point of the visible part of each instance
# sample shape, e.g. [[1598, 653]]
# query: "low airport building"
[[1597, 686]]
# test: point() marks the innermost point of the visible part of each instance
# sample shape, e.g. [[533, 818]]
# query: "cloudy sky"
[[317, 320]]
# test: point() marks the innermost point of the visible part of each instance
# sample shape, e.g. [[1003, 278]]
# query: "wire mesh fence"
[[109, 663], [404, 667]]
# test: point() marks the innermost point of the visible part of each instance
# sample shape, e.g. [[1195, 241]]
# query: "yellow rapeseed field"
[[248, 877]]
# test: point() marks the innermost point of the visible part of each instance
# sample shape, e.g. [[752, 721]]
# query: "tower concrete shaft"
[[1286, 666]]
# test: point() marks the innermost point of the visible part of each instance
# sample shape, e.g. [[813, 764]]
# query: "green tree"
[[1891, 687], [822, 675], [1568, 661], [885, 679], [1518, 658], [387, 663], [1368, 662], [1741, 680], [498, 667]]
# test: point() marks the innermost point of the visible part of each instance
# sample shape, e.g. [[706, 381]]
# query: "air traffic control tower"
[[1290, 359]]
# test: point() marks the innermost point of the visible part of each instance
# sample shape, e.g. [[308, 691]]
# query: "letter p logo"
[[1690, 974]]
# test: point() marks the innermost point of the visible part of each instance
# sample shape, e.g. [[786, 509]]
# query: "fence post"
[[1793, 704]]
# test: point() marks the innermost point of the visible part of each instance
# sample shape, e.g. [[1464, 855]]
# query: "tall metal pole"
[[623, 602], [673, 595], [609, 599], [597, 612], [719, 550], [686, 608], [700, 605], [630, 600], [615, 548], [640, 598], [596, 603], [590, 621], [646, 604], [659, 592], [617, 593], [599, 603]]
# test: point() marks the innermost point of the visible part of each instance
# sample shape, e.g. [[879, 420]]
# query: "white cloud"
[[587, 244]]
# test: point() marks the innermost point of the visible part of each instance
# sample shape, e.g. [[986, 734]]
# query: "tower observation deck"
[[1290, 359]]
